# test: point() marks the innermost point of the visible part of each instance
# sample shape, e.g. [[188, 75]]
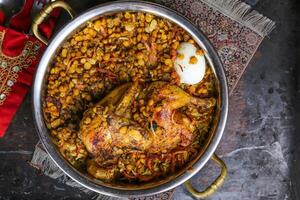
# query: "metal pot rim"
[[43, 68]]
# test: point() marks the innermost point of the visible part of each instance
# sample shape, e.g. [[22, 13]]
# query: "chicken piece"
[[109, 125], [108, 130], [178, 128], [101, 173]]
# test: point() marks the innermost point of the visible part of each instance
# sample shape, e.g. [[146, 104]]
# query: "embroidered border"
[[11, 66]]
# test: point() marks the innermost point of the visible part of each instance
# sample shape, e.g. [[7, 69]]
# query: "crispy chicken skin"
[[108, 129]]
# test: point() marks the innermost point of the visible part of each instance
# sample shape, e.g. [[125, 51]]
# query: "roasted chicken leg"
[[108, 129]]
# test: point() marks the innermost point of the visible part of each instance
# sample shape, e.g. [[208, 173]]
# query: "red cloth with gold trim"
[[19, 56]]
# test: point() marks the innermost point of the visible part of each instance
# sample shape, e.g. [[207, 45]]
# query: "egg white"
[[189, 73]]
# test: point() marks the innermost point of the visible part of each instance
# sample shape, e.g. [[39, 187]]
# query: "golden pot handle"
[[214, 186], [44, 13]]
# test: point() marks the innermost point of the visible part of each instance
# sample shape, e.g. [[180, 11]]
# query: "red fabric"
[[22, 20], [13, 43], [12, 46], [46, 28], [2, 17]]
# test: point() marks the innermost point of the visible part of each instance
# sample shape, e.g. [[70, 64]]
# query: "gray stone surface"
[[259, 144]]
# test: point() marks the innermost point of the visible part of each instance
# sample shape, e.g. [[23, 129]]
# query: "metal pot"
[[119, 190]]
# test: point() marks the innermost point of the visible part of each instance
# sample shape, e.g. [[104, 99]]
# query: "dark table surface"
[[260, 142]]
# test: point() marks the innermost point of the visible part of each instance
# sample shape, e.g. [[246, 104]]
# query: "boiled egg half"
[[190, 63]]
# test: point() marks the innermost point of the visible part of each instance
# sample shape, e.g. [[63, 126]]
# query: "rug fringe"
[[43, 162], [243, 13]]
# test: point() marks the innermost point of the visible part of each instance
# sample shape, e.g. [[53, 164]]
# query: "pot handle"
[[214, 186], [44, 13]]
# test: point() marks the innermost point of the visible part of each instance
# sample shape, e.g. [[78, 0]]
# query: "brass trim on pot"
[[44, 14], [214, 186]]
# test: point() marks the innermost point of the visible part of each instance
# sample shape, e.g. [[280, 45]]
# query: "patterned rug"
[[236, 32]]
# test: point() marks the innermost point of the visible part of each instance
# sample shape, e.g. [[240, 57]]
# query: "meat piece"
[[101, 173], [109, 131], [179, 130]]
